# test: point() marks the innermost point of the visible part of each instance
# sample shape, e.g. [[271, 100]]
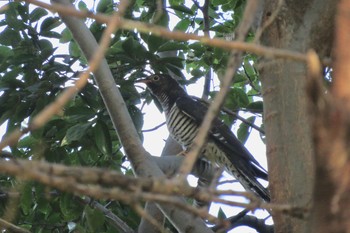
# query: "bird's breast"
[[184, 129], [181, 127]]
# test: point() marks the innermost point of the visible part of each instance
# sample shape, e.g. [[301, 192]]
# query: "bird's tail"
[[250, 182]]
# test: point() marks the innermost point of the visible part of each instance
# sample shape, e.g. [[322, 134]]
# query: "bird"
[[184, 115]]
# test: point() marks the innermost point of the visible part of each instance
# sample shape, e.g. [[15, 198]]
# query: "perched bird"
[[184, 115]]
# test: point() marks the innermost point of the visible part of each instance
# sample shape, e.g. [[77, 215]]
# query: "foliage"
[[34, 70]]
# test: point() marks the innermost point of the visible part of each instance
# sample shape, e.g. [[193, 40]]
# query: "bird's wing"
[[222, 135]]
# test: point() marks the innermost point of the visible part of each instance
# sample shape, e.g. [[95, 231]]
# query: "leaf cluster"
[[39, 58]]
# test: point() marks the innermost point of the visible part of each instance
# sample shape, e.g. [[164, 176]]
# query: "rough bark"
[[331, 128], [300, 25]]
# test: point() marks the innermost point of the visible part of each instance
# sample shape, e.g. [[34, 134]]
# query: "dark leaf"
[[69, 207], [10, 37], [105, 6], [183, 24], [76, 132], [155, 42], [26, 201], [182, 8], [37, 14], [103, 138], [46, 48], [5, 52], [95, 219], [256, 107], [171, 45], [49, 23]]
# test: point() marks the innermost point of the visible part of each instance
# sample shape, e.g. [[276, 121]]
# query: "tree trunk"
[[299, 26]]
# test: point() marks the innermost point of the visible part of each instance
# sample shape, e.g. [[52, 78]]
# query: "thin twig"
[[154, 128], [232, 65], [176, 35], [70, 179]]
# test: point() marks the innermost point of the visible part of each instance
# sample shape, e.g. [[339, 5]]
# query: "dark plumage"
[[184, 115]]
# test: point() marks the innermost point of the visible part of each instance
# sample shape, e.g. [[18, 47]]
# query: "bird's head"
[[161, 83]]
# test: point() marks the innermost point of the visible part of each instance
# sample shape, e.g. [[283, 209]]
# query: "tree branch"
[[233, 64], [177, 35], [115, 220], [139, 158]]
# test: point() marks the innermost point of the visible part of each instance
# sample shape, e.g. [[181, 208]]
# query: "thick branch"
[[116, 107]]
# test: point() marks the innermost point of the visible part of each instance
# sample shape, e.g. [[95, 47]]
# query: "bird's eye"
[[155, 78]]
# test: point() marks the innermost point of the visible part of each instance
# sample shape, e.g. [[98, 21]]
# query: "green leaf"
[[5, 52], [221, 28], [10, 37], [197, 73], [237, 99], [183, 24], [174, 61], [46, 48], [74, 49], [155, 42], [95, 219], [66, 36], [51, 34], [37, 14], [44, 206], [240, 77], [171, 45], [12, 18], [69, 207], [249, 68], [244, 130], [182, 8], [137, 116], [27, 142], [82, 6], [198, 49], [105, 6], [103, 138], [116, 48], [218, 2], [256, 107], [49, 23], [26, 201], [176, 2], [76, 132]]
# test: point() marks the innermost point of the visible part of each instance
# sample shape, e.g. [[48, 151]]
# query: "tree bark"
[[331, 135], [299, 26]]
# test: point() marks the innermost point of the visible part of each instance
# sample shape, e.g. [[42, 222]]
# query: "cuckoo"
[[184, 115]]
